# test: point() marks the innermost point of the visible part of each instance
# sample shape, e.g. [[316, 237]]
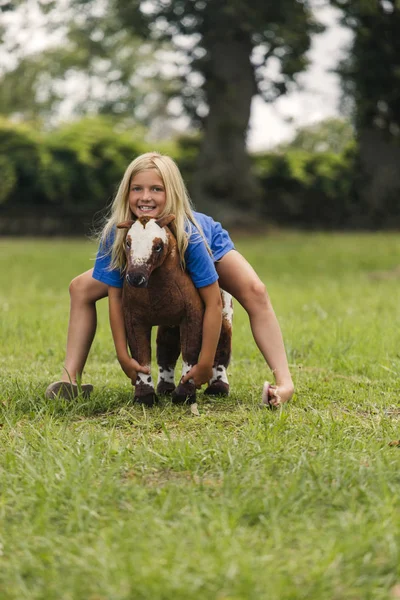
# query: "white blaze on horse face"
[[142, 239]]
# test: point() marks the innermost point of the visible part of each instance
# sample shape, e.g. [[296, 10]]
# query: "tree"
[[330, 135], [232, 42], [371, 79], [223, 49], [113, 71]]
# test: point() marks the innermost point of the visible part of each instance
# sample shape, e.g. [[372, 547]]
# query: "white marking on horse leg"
[[166, 375], [145, 378], [185, 369], [219, 374], [227, 306]]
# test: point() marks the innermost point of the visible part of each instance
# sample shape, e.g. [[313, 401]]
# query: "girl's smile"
[[147, 194]]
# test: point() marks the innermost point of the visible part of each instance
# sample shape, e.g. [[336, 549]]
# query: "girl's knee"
[[84, 288], [258, 290], [78, 288], [256, 296]]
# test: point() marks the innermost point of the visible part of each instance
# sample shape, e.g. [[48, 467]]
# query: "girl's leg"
[[84, 293], [238, 277]]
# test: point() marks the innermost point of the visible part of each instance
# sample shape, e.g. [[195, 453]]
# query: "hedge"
[[58, 181]]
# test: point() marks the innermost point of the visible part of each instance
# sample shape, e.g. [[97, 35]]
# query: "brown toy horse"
[[157, 291]]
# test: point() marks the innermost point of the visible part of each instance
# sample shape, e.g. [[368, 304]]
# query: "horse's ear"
[[125, 225], [164, 221]]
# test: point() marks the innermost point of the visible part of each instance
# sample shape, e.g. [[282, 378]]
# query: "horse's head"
[[146, 246]]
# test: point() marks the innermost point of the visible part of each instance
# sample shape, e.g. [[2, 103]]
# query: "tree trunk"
[[223, 184], [380, 178]]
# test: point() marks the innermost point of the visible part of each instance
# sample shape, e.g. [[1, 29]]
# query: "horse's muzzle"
[[137, 280]]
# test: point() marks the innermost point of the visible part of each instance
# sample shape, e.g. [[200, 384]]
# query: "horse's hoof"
[[148, 400], [217, 388], [179, 398], [165, 388]]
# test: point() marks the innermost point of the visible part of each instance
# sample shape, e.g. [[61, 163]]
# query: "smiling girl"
[[153, 186]]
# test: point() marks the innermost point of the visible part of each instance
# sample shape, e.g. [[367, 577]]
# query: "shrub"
[[307, 189], [23, 159], [71, 174]]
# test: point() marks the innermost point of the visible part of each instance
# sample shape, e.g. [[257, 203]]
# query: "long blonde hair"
[[177, 202]]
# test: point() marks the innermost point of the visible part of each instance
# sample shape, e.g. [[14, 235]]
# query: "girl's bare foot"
[[274, 396], [68, 390]]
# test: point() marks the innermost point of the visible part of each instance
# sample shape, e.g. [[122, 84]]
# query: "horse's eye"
[[159, 248], [128, 243]]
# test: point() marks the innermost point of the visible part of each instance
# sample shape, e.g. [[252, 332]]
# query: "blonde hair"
[[177, 203]]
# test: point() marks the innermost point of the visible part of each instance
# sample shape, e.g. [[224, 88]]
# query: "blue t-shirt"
[[199, 263]]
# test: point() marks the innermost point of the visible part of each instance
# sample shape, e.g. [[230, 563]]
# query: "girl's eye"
[[158, 189]]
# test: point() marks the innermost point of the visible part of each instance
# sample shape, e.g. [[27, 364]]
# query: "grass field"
[[103, 500]]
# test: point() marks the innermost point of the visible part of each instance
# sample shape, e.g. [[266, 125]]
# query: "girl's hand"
[[131, 368], [200, 374]]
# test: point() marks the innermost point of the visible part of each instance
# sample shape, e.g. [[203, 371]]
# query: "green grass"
[[102, 500]]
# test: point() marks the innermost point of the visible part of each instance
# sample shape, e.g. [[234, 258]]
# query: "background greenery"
[[102, 500], [59, 182], [145, 66]]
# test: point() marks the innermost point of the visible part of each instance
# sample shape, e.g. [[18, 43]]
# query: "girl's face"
[[147, 194]]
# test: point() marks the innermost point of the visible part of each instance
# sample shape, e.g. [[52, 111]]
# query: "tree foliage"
[[109, 69], [228, 47], [272, 30], [330, 135], [225, 53]]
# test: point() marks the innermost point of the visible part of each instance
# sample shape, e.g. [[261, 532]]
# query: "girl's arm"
[[129, 365], [202, 372]]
